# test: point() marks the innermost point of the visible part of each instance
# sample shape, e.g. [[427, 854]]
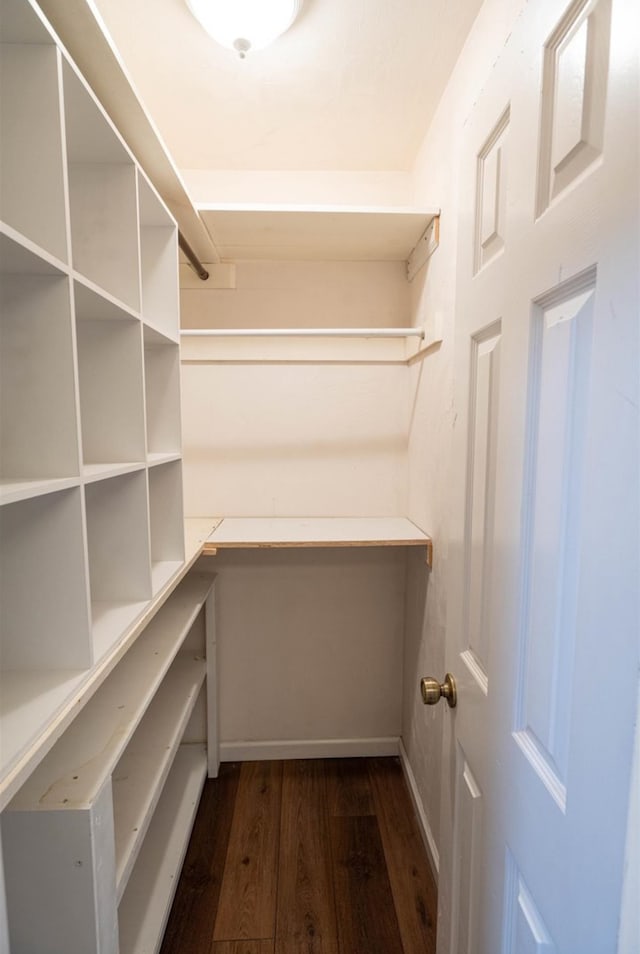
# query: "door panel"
[[544, 553], [525, 931], [574, 91], [552, 510], [483, 391], [467, 856]]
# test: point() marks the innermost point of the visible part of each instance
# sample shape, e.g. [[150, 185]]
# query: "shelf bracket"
[[425, 247], [428, 559]]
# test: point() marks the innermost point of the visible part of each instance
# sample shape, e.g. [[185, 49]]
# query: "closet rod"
[[194, 261], [303, 332]]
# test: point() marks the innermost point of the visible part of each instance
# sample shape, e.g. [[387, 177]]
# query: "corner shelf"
[[281, 532]]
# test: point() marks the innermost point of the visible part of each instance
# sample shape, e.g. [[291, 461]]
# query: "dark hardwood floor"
[[305, 857]]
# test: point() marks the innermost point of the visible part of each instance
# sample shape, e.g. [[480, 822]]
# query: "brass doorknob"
[[432, 691]]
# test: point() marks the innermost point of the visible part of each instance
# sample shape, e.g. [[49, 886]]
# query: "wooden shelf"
[[273, 532], [75, 768], [37, 705], [143, 911], [140, 775], [315, 233]]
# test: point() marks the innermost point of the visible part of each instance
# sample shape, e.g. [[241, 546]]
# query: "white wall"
[[296, 429], [309, 642], [303, 294], [310, 648]]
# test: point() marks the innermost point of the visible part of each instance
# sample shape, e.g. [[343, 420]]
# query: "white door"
[[543, 626]]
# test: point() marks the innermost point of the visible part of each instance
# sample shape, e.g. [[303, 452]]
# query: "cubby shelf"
[[140, 775], [144, 909], [108, 772], [37, 704], [85, 546]]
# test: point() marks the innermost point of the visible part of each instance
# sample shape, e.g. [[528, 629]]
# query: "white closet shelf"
[[36, 706], [13, 490], [273, 532], [315, 233], [75, 768], [141, 773], [93, 472], [20, 256], [154, 459], [144, 908]]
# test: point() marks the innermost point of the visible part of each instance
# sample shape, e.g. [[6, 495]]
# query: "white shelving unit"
[[89, 392], [108, 774], [107, 651]]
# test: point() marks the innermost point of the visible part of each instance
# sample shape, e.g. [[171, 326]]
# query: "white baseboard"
[[307, 749], [425, 828]]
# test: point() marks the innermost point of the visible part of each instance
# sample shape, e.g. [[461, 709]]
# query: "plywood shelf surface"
[[315, 532]]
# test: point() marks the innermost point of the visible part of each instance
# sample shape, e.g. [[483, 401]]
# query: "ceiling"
[[351, 86]]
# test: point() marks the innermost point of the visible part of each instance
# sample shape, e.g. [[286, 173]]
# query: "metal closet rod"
[[194, 261], [303, 332]]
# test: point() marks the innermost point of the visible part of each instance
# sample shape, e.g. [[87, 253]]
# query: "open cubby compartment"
[[146, 903], [32, 180], [202, 727], [109, 341], [43, 584], [119, 559], [102, 196], [142, 771], [166, 522], [38, 405], [162, 395], [159, 262]]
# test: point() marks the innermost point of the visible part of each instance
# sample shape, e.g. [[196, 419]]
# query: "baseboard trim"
[[307, 749], [425, 827]]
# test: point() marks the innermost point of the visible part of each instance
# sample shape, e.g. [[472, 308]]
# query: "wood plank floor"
[[305, 857]]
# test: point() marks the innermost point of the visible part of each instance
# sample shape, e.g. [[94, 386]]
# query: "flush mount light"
[[244, 25]]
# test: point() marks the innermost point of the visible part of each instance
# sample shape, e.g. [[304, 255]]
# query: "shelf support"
[[429, 554], [426, 246]]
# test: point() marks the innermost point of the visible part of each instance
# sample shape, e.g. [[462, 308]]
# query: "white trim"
[[308, 749], [425, 827]]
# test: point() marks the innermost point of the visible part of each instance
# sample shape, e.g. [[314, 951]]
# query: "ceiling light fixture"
[[244, 25]]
